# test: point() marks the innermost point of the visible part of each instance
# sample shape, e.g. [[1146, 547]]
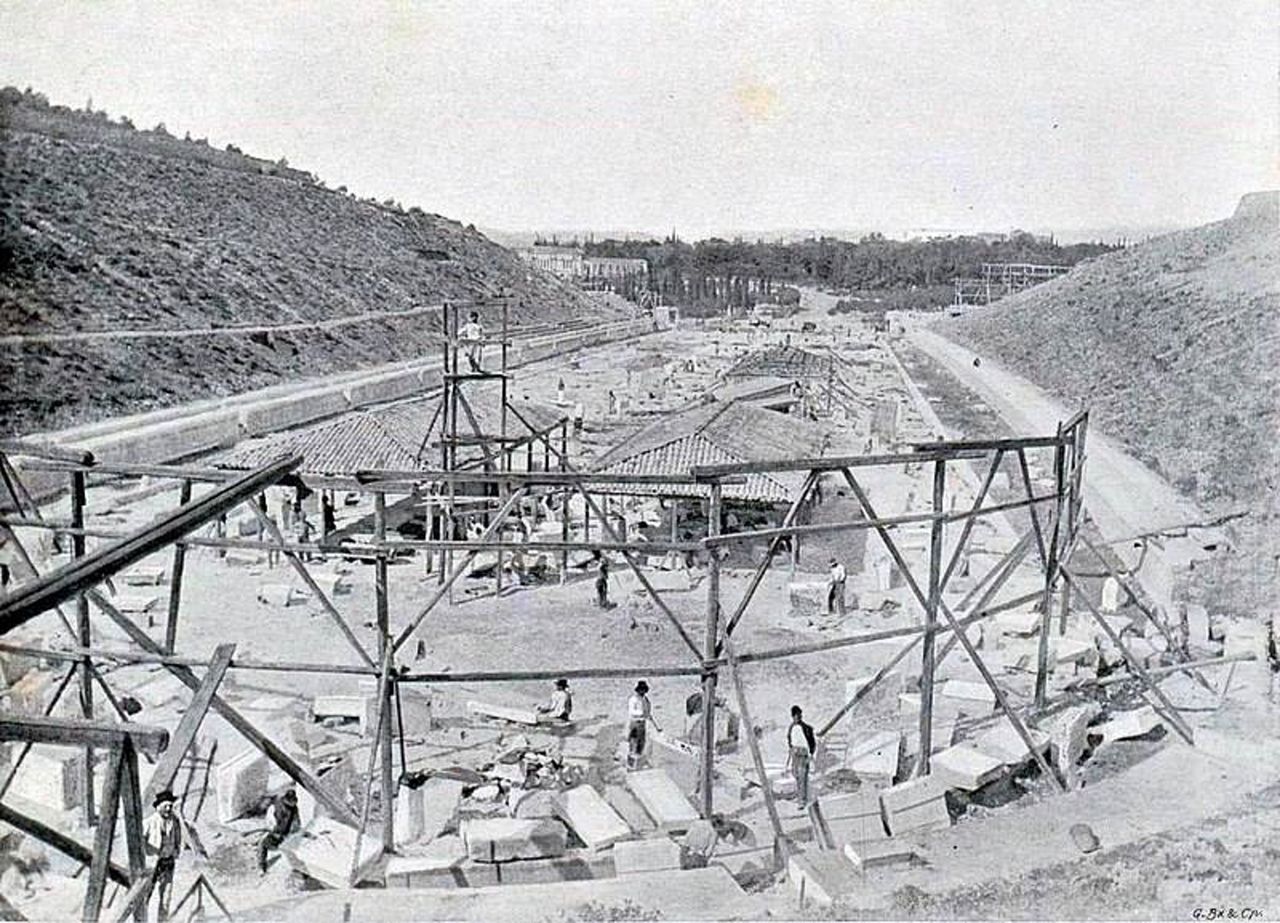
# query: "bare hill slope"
[[1175, 344], [106, 228]]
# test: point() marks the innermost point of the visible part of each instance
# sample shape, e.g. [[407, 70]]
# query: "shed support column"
[[710, 644], [84, 631], [1050, 578], [931, 618]]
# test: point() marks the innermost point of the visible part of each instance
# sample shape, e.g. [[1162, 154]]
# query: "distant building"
[[565, 262], [570, 263]]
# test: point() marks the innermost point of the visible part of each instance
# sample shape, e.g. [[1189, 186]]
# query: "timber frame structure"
[[1055, 520]]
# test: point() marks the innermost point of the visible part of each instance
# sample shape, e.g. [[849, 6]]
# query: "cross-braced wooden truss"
[[1054, 530]]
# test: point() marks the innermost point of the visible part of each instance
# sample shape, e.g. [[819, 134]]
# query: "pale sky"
[[702, 116]]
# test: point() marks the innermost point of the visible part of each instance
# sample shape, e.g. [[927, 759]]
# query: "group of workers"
[[802, 742]]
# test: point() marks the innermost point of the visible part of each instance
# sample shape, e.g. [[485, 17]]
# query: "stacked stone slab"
[[590, 817], [662, 800]]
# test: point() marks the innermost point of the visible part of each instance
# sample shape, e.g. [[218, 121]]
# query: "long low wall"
[[177, 432]]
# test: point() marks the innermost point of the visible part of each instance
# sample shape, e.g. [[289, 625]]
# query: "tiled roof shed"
[[401, 437], [718, 433], [790, 362]]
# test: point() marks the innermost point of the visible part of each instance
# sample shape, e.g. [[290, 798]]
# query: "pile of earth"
[[1174, 344], [103, 227]]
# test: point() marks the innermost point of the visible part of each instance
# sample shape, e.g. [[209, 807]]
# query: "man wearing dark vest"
[[800, 746]]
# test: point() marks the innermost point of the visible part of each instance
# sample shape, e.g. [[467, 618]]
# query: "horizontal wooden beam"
[[47, 452], [524, 478], [988, 445], [830, 463], [30, 599], [80, 732], [76, 654]]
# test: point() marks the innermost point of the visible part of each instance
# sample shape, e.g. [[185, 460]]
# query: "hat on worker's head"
[[162, 797], [562, 684], [291, 797], [642, 687]]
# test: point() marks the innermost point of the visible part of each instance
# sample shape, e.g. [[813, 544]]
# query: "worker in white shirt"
[[639, 714], [561, 705], [471, 338], [835, 588], [800, 746]]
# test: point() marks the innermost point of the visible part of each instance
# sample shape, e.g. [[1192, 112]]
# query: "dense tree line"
[[713, 273]]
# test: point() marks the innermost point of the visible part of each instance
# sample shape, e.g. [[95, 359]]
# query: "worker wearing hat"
[[639, 714], [283, 819], [560, 707], [165, 833], [835, 588]]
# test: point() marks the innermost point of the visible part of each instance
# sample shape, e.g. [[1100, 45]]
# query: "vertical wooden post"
[[710, 643], [175, 579], [1050, 578], [568, 492], [383, 620], [84, 630], [103, 837], [131, 802], [675, 519], [749, 729], [385, 728], [931, 618]]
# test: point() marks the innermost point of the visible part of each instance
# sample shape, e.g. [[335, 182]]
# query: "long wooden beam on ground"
[[167, 769], [29, 600], [334, 805]]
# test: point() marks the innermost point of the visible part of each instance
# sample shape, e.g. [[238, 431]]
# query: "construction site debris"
[[918, 805]]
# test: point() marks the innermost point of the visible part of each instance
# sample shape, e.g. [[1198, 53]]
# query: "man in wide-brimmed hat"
[[639, 714], [165, 833], [560, 706]]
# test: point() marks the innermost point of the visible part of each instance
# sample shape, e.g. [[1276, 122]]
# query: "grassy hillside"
[[106, 228], [1175, 343]]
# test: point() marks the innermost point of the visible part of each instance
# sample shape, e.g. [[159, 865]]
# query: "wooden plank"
[[167, 769], [931, 620], [104, 835], [749, 729], [709, 649], [131, 803], [175, 584], [135, 899], [79, 732], [830, 463], [60, 841]]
